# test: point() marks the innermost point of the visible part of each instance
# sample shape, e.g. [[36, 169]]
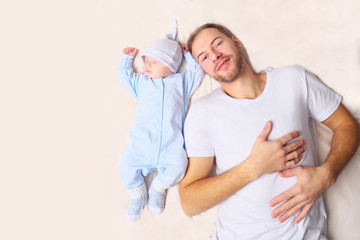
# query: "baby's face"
[[153, 68]]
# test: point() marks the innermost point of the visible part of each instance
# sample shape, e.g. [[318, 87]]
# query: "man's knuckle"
[[282, 152], [277, 144], [301, 189], [303, 198]]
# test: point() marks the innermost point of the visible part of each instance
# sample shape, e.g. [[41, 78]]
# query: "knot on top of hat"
[[168, 50], [174, 35]]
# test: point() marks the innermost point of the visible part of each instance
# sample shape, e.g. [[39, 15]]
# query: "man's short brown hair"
[[219, 27]]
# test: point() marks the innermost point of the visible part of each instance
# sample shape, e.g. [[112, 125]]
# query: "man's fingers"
[[290, 208], [283, 196], [304, 211], [293, 162], [288, 137], [295, 154], [266, 131], [289, 204], [295, 145], [291, 172], [292, 211]]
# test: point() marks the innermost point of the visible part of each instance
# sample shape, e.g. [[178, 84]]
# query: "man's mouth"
[[223, 64]]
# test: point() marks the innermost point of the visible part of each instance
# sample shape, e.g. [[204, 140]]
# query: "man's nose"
[[215, 56]]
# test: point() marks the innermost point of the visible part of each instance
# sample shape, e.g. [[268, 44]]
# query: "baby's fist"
[[130, 51], [184, 48]]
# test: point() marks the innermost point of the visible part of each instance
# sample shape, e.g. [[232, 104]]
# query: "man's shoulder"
[[208, 99], [288, 69], [205, 105], [288, 74]]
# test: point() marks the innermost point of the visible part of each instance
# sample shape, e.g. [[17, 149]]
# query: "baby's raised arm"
[[130, 51]]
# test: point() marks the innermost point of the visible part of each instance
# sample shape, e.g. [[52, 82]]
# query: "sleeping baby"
[[157, 142]]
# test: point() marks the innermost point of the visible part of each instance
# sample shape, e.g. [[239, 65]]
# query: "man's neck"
[[247, 86]]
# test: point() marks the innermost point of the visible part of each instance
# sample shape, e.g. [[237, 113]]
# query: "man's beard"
[[239, 65]]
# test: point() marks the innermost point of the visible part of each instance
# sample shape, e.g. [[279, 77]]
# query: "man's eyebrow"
[[209, 44]]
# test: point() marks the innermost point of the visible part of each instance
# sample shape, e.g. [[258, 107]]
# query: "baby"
[[157, 142]]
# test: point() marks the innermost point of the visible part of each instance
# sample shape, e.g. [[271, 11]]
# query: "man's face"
[[218, 55]]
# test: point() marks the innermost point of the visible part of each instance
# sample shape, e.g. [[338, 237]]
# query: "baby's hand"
[[184, 48], [130, 51]]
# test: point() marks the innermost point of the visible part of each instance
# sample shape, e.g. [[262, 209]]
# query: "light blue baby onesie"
[[157, 141]]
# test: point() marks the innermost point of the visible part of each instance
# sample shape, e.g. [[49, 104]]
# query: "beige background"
[[65, 120]]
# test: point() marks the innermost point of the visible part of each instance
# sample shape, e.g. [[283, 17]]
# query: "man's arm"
[[199, 191], [312, 182]]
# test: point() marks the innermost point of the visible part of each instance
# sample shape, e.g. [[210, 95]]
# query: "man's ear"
[[236, 41]]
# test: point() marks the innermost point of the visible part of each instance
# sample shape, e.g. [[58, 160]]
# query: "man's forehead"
[[207, 35], [204, 38]]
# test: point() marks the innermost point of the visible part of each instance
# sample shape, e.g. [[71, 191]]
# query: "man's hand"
[[272, 156], [130, 51], [311, 183], [199, 191]]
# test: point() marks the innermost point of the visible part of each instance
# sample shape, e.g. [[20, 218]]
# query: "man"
[[224, 126]]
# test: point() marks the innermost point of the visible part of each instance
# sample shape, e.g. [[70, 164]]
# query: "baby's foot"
[[156, 201], [138, 199], [136, 205]]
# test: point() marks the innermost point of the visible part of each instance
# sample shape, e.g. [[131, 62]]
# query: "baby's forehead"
[[150, 59]]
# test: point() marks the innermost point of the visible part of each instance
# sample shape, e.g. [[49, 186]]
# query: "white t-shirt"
[[226, 128]]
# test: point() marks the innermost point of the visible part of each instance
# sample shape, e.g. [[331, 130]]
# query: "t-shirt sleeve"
[[198, 142], [322, 101]]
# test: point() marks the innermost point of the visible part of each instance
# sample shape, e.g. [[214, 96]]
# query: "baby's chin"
[[148, 74], [152, 76], [155, 76]]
